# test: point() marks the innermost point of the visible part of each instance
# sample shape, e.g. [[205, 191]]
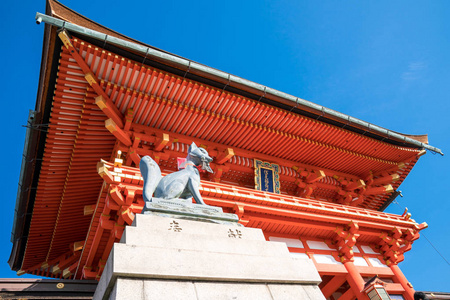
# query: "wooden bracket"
[[308, 190], [161, 142], [133, 156], [423, 152], [128, 119], [88, 209], [104, 173], [129, 196], [306, 185], [66, 273], [118, 230], [157, 156], [346, 240], [111, 204], [386, 179], [314, 176], [392, 170], [379, 190], [353, 227], [411, 235], [69, 271], [357, 200], [106, 222], [238, 209], [127, 215], [390, 244], [121, 135], [423, 225], [396, 233], [344, 199], [405, 212], [368, 178], [77, 246], [136, 141], [88, 273], [218, 171], [65, 38], [224, 156], [355, 185], [300, 183], [55, 269], [90, 78], [117, 196]]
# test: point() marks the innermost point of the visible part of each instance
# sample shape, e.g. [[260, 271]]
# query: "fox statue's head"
[[199, 157]]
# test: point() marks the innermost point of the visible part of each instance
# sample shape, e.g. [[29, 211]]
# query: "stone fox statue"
[[182, 184]]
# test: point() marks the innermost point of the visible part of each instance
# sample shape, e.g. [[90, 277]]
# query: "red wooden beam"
[[77, 246], [224, 156], [315, 175], [161, 141], [333, 285], [121, 135], [355, 185], [348, 295], [67, 272], [115, 114], [89, 209], [271, 209], [104, 173], [128, 119], [379, 190], [386, 179]]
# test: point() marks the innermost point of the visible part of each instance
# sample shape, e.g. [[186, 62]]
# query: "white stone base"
[[165, 258]]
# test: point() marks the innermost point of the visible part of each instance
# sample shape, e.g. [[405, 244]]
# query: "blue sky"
[[385, 62]]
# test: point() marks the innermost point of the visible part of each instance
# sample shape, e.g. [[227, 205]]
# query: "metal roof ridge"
[[229, 79]]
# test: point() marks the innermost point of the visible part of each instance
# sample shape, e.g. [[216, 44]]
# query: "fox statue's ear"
[[192, 147]]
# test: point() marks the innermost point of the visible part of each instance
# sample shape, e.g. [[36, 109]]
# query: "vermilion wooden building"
[[101, 92]]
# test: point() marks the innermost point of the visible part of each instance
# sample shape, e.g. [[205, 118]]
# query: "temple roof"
[[92, 30], [101, 92]]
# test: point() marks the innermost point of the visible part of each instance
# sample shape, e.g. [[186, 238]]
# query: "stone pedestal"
[[168, 258], [186, 210]]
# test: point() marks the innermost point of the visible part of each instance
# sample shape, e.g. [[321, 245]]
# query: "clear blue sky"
[[386, 62]]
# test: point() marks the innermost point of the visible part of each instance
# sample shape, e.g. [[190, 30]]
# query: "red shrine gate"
[[106, 105]]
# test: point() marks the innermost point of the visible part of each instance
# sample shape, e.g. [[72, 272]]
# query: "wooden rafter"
[[106, 105]]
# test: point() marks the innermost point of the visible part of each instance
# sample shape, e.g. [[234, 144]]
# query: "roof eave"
[[273, 96], [33, 151]]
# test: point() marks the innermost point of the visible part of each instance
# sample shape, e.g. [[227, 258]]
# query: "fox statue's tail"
[[151, 173]]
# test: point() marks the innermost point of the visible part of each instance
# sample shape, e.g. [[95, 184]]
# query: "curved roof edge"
[[271, 95]]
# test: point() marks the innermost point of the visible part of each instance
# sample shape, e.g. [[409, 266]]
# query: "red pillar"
[[355, 280], [400, 278]]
